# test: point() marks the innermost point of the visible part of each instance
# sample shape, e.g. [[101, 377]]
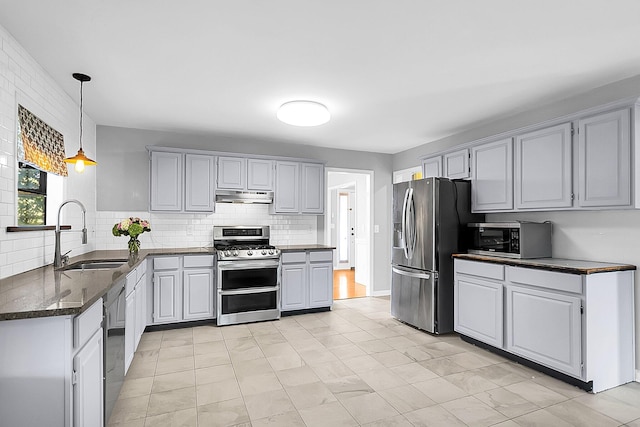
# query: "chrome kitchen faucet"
[[58, 259]]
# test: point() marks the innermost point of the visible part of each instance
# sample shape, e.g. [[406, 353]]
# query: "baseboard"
[[381, 293]]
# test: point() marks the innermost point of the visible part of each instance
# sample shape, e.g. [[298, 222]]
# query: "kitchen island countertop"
[[44, 292], [561, 265]]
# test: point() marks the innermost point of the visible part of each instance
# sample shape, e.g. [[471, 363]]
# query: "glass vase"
[[134, 245]]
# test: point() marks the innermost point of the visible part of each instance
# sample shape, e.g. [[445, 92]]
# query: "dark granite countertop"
[[297, 248], [561, 265], [46, 292]]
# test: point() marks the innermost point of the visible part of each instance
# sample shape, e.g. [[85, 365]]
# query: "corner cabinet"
[[181, 182], [307, 280], [299, 188], [578, 325], [604, 160], [492, 175]]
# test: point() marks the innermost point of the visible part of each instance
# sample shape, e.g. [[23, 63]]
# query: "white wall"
[[23, 80], [196, 230]]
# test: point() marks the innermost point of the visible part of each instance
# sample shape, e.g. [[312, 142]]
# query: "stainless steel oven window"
[[246, 302]]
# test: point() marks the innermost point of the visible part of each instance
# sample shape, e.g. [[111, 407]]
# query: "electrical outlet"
[[189, 230], [376, 228]]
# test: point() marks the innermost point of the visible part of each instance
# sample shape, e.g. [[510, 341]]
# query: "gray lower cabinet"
[[183, 288], [580, 325], [543, 174], [545, 326], [52, 370], [478, 301], [307, 280]]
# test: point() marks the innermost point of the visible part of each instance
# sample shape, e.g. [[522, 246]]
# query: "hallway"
[[345, 286]]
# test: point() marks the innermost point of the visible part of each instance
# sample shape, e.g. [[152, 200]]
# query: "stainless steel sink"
[[96, 265]]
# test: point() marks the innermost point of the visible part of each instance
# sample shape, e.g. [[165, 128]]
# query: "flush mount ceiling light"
[[80, 160], [303, 113]]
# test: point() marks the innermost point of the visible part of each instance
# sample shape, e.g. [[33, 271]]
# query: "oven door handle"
[[244, 265], [246, 291]]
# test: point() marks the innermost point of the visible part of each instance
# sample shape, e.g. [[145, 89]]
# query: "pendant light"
[[80, 160]]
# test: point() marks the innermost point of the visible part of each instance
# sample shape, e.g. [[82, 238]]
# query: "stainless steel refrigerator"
[[428, 217]]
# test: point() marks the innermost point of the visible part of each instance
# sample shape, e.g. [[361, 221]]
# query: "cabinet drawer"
[[316, 256], [481, 269], [546, 279], [293, 257], [85, 324], [198, 261], [166, 263]]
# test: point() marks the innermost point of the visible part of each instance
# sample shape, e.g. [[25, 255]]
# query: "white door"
[[294, 284], [492, 175], [345, 229], [478, 309], [166, 181], [199, 182], [166, 297], [320, 285]]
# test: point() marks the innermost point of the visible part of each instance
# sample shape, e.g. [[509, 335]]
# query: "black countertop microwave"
[[510, 239]]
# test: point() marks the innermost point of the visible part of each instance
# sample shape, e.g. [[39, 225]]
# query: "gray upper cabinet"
[[312, 195], [260, 175], [604, 160], [232, 173], [543, 174], [456, 164], [199, 182], [432, 167], [492, 174], [287, 191], [166, 181], [299, 188]]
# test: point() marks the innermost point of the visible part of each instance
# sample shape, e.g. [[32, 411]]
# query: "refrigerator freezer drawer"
[[413, 297]]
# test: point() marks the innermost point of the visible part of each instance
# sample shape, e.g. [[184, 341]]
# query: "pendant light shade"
[[80, 160], [303, 113]]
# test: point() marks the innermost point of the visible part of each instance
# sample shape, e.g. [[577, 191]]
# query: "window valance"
[[39, 144]]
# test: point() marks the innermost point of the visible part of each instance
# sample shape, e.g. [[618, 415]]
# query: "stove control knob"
[[264, 252], [249, 252], [227, 253], [271, 251], [235, 253]]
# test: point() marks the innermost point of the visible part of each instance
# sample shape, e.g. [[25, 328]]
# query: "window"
[[32, 195]]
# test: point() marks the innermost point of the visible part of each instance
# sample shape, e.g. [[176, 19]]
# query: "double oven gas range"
[[248, 275]]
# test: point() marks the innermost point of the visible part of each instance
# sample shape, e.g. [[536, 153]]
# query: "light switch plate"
[[376, 228]]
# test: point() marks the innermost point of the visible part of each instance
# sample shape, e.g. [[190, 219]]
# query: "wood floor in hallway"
[[345, 286]]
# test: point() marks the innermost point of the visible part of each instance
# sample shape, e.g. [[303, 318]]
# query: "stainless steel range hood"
[[233, 196]]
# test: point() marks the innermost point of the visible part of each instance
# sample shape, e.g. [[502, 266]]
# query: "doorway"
[[348, 224]]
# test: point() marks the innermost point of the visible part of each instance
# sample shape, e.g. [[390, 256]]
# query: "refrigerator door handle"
[[404, 272], [405, 243], [412, 227]]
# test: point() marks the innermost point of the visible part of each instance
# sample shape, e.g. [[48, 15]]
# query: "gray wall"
[[123, 175], [619, 90]]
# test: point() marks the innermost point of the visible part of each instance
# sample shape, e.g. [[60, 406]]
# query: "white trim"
[[381, 293], [151, 148], [371, 174], [638, 375]]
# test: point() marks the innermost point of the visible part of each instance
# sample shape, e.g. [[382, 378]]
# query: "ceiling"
[[395, 74]]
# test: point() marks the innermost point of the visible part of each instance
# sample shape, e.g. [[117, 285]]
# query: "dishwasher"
[[114, 323]]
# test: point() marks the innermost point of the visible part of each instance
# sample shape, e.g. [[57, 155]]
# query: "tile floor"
[[352, 366]]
